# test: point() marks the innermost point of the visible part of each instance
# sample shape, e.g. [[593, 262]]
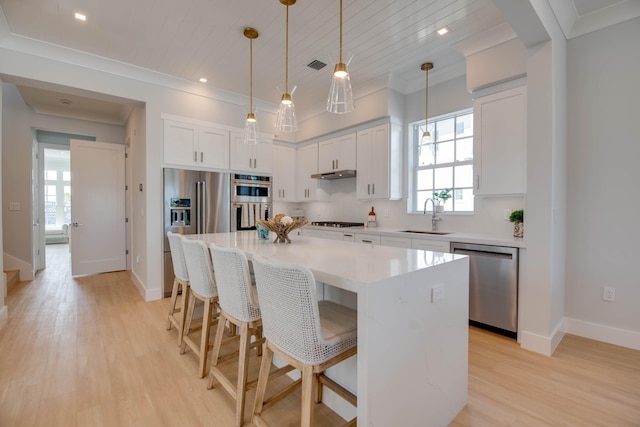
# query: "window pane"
[[425, 157], [421, 197], [51, 175], [464, 200], [464, 126], [444, 152], [443, 178], [425, 180], [66, 176], [444, 129], [464, 149], [464, 176]]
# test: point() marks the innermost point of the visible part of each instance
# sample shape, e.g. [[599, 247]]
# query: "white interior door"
[[98, 233]]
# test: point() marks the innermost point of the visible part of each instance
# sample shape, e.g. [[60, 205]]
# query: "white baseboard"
[[604, 333], [148, 294], [540, 343], [12, 263]]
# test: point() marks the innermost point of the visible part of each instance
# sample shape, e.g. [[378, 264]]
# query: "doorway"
[[51, 192]]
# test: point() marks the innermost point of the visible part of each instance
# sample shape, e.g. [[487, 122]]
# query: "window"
[[444, 161], [57, 188]]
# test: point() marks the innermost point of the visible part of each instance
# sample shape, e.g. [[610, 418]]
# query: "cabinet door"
[[284, 159], [307, 166], [345, 152], [500, 135], [430, 245], [379, 160], [398, 242], [213, 145], [180, 143], [327, 156], [373, 239], [251, 158]]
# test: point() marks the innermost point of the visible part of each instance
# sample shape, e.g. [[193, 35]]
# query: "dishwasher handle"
[[482, 253]]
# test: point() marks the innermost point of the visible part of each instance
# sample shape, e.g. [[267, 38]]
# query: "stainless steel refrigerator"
[[194, 202]]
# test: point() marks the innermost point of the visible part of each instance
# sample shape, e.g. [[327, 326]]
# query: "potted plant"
[[517, 218], [441, 197]]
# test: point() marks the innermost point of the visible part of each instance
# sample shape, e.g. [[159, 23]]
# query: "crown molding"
[[492, 37]]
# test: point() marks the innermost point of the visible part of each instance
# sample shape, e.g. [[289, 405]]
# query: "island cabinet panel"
[[251, 158], [192, 145], [284, 182], [379, 163], [500, 142], [337, 153]]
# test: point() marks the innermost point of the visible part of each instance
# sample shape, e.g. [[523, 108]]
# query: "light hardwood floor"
[[90, 352]]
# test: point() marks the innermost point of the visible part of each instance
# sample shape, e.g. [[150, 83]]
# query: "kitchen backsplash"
[[488, 217]]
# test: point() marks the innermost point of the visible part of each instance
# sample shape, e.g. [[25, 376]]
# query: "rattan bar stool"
[[181, 279], [308, 334], [202, 287], [239, 306]]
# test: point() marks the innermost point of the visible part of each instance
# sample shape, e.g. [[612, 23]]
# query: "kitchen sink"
[[441, 233]]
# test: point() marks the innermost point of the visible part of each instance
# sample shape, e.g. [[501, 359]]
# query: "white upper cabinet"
[[309, 189], [500, 137], [188, 144], [251, 158], [379, 159], [337, 153], [284, 172]]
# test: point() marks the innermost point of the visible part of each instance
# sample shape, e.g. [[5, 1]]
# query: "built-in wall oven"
[[250, 200]]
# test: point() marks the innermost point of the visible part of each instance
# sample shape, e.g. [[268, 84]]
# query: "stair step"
[[13, 278]]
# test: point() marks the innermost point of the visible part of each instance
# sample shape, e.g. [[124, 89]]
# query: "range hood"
[[347, 173]]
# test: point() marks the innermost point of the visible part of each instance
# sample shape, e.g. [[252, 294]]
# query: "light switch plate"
[[437, 293], [14, 206]]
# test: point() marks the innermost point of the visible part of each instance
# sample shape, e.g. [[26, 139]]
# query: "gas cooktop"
[[338, 224]]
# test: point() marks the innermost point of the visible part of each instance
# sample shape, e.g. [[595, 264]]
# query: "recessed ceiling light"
[[203, 80], [442, 31], [80, 17]]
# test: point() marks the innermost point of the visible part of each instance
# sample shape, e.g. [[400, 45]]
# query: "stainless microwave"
[[250, 189]]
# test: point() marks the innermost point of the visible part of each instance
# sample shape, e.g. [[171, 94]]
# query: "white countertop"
[[346, 265], [481, 239]]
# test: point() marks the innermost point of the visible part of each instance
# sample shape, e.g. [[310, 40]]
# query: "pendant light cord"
[[251, 76], [286, 70], [340, 31], [426, 103]]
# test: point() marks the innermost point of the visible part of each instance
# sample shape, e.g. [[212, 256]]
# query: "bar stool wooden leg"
[[217, 344], [243, 368], [174, 299], [263, 378], [204, 337], [187, 322], [183, 313], [309, 386]]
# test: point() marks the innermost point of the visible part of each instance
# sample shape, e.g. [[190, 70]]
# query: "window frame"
[[415, 134]]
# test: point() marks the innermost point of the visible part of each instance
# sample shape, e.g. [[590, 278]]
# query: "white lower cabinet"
[[398, 242], [430, 245], [374, 239]]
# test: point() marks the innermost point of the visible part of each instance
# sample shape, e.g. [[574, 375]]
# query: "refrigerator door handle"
[[203, 206], [199, 204]]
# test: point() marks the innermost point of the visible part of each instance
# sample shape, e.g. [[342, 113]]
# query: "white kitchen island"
[[412, 322]]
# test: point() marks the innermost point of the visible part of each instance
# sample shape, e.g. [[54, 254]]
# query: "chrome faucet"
[[434, 218]]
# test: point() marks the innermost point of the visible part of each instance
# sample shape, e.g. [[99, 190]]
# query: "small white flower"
[[286, 220]]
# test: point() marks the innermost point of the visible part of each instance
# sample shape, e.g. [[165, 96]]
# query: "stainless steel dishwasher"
[[493, 286]]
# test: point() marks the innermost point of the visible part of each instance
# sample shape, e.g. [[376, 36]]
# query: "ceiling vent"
[[316, 64]]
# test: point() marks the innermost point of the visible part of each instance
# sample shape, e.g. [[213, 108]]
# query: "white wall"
[[19, 120], [3, 285], [603, 177]]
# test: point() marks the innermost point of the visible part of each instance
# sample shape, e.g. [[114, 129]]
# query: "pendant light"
[[426, 136], [251, 134], [340, 98], [286, 120]]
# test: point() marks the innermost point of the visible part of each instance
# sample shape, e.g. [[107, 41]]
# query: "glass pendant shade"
[[251, 132], [286, 120], [340, 98]]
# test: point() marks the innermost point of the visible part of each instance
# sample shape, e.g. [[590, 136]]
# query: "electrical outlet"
[[507, 214], [609, 294], [437, 293], [137, 259]]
